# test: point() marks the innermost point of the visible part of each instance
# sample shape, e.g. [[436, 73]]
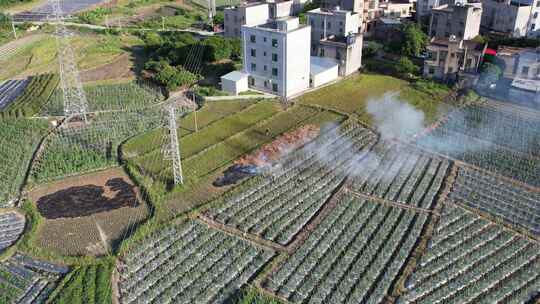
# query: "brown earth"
[[88, 214], [121, 67]]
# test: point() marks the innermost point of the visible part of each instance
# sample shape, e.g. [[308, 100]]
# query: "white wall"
[[234, 87], [296, 63], [324, 77]]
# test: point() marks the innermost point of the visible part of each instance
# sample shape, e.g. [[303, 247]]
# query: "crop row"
[[92, 146], [88, 284], [285, 201], [188, 263], [126, 96], [514, 131], [11, 227], [401, 174], [471, 260], [25, 280], [9, 90], [18, 140], [34, 97], [353, 255], [512, 203]]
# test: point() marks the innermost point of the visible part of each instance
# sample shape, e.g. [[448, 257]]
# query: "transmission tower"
[[75, 104], [172, 152]]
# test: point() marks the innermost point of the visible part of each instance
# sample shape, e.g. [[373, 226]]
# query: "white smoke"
[[395, 119]]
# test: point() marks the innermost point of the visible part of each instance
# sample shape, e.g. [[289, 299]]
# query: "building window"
[[431, 71], [274, 72], [252, 38], [253, 53], [274, 87], [328, 25], [253, 67], [251, 81], [266, 83], [341, 23], [450, 70], [265, 67], [322, 53], [264, 53], [274, 57], [525, 71], [468, 63], [264, 39], [538, 4], [535, 15], [274, 42], [313, 23]]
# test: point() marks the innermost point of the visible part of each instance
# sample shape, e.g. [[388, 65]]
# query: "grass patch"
[[352, 94], [86, 284], [253, 296]]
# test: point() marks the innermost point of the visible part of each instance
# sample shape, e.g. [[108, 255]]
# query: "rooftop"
[[235, 76], [326, 11], [321, 64]]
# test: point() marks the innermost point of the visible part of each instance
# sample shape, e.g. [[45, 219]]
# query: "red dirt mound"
[[281, 146]]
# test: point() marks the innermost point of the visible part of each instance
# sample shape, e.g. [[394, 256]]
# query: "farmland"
[[33, 98], [470, 260], [25, 280], [89, 214], [11, 227], [9, 90], [217, 263], [18, 140], [494, 137]]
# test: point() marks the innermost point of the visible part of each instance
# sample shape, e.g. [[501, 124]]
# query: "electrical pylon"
[[172, 152], [75, 103]]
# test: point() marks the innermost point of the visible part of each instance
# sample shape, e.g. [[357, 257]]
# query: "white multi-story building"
[[253, 13], [277, 57], [461, 20], [396, 9], [247, 14], [337, 34]]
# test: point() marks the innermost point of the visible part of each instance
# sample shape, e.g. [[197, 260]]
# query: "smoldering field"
[[483, 133]]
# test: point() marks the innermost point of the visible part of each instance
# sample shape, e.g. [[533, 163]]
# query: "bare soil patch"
[[89, 214], [121, 67]]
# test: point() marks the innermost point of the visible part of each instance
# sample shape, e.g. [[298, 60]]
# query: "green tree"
[[217, 48], [414, 40], [406, 67], [219, 18]]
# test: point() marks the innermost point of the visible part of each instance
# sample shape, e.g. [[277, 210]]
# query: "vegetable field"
[[512, 203], [352, 256], [277, 206], [498, 138], [85, 148], [25, 280], [19, 139], [470, 260], [109, 97], [188, 263], [33, 98], [86, 285], [401, 174], [11, 227]]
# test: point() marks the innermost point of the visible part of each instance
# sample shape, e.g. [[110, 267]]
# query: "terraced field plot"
[[512, 203], [276, 207], [18, 140], [25, 280], [352, 256], [11, 227], [9, 90], [188, 263], [500, 138], [401, 174], [472, 260]]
